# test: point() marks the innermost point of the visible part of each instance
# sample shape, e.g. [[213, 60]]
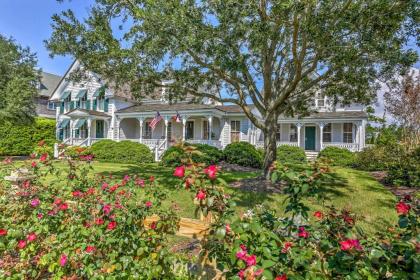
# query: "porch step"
[[311, 155]]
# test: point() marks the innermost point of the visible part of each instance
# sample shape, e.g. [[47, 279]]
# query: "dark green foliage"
[[338, 156], [121, 152], [18, 80], [405, 171], [242, 153], [207, 154], [22, 139], [378, 157], [290, 154]]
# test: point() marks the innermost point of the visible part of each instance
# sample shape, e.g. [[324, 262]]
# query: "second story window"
[[51, 105], [320, 101]]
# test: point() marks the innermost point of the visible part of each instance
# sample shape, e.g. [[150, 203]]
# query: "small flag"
[[177, 118], [155, 121]]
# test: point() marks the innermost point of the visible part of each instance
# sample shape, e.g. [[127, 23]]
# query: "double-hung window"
[[293, 133], [327, 133], [348, 133]]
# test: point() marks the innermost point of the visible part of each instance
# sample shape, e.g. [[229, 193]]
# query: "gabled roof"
[[49, 83], [85, 112]]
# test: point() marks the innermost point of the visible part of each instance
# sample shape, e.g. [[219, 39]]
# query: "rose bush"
[[84, 227]]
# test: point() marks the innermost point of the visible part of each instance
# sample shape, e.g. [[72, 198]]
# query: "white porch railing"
[[151, 143], [214, 143], [260, 144], [349, 146]]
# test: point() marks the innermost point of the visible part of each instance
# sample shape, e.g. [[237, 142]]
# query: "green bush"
[[18, 140], [290, 154], [378, 157], [121, 152], [242, 153], [338, 156], [208, 155], [405, 171]]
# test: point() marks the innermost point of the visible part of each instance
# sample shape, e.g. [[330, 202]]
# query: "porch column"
[[57, 130], [298, 125], [321, 130], [184, 122], [210, 119], [141, 129], [166, 132], [358, 135], [89, 125], [71, 131], [118, 121]]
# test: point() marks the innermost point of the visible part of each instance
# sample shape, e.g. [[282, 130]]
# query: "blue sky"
[[29, 23]]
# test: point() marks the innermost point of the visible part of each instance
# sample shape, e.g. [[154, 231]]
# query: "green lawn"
[[352, 189]]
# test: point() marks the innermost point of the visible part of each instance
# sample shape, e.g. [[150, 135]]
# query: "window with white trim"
[[205, 130], [235, 131], [347, 132], [147, 131], [51, 105], [293, 133], [320, 100], [327, 133]]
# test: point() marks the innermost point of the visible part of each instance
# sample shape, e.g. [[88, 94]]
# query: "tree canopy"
[[18, 82], [269, 57]]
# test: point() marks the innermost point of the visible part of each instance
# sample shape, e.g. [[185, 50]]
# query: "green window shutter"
[[77, 133], [61, 107], [106, 105], [72, 103], [95, 102], [78, 103], [88, 104]]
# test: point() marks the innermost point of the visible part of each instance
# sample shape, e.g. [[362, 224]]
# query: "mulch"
[[236, 168], [398, 191]]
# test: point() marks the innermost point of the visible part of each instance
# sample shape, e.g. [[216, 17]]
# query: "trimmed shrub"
[[208, 155], [290, 154], [242, 153], [377, 158], [121, 152], [21, 140], [405, 171], [338, 156]]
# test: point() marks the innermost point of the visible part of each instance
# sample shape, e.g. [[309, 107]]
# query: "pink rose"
[[148, 204], [63, 259], [90, 249], [107, 209], [251, 260], [31, 237], [179, 171], [241, 255], [303, 233], [35, 202], [21, 244], [200, 195], [402, 208], [211, 172]]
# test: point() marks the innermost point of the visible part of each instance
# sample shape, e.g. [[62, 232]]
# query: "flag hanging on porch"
[[155, 120], [177, 118]]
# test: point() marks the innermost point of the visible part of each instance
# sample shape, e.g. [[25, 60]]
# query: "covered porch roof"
[[84, 113]]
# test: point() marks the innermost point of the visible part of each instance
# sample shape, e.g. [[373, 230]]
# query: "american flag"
[[177, 118], [155, 121]]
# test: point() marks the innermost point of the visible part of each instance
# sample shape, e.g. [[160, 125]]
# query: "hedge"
[[242, 153], [338, 156], [121, 152], [208, 155], [290, 154], [21, 140]]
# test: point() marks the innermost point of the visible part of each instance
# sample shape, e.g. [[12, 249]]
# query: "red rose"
[[77, 194], [40, 215], [402, 208], [112, 225], [99, 221], [153, 225], [211, 172], [31, 237], [318, 215], [3, 232], [57, 201], [43, 157], [200, 195], [179, 171], [152, 179], [63, 260], [281, 277], [64, 207], [251, 260], [241, 254], [21, 244], [303, 233], [106, 209], [33, 164], [104, 186], [148, 204], [349, 244], [286, 247], [90, 249]]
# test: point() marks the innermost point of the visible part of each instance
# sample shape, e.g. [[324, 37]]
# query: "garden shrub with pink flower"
[[83, 228]]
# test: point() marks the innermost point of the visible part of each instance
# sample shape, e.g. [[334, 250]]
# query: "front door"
[[99, 129], [309, 138]]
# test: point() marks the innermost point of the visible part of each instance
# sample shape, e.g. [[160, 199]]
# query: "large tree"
[[269, 57], [18, 82]]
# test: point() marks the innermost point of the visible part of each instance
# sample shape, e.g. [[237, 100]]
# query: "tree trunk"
[[270, 146]]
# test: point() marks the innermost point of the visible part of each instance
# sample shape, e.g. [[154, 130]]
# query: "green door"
[[310, 138], [99, 129]]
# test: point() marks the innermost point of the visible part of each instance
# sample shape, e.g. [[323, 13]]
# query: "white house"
[[88, 112]]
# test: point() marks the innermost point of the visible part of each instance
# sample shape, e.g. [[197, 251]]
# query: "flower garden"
[[70, 222]]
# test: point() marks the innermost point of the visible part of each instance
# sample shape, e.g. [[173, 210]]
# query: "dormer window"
[[320, 101]]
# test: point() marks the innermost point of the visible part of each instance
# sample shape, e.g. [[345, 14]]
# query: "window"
[[189, 130], [147, 131], [205, 130], [327, 133], [51, 105], [320, 101], [278, 133], [235, 131], [293, 133], [348, 133]]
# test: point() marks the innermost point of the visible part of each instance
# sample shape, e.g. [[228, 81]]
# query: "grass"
[[352, 189]]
